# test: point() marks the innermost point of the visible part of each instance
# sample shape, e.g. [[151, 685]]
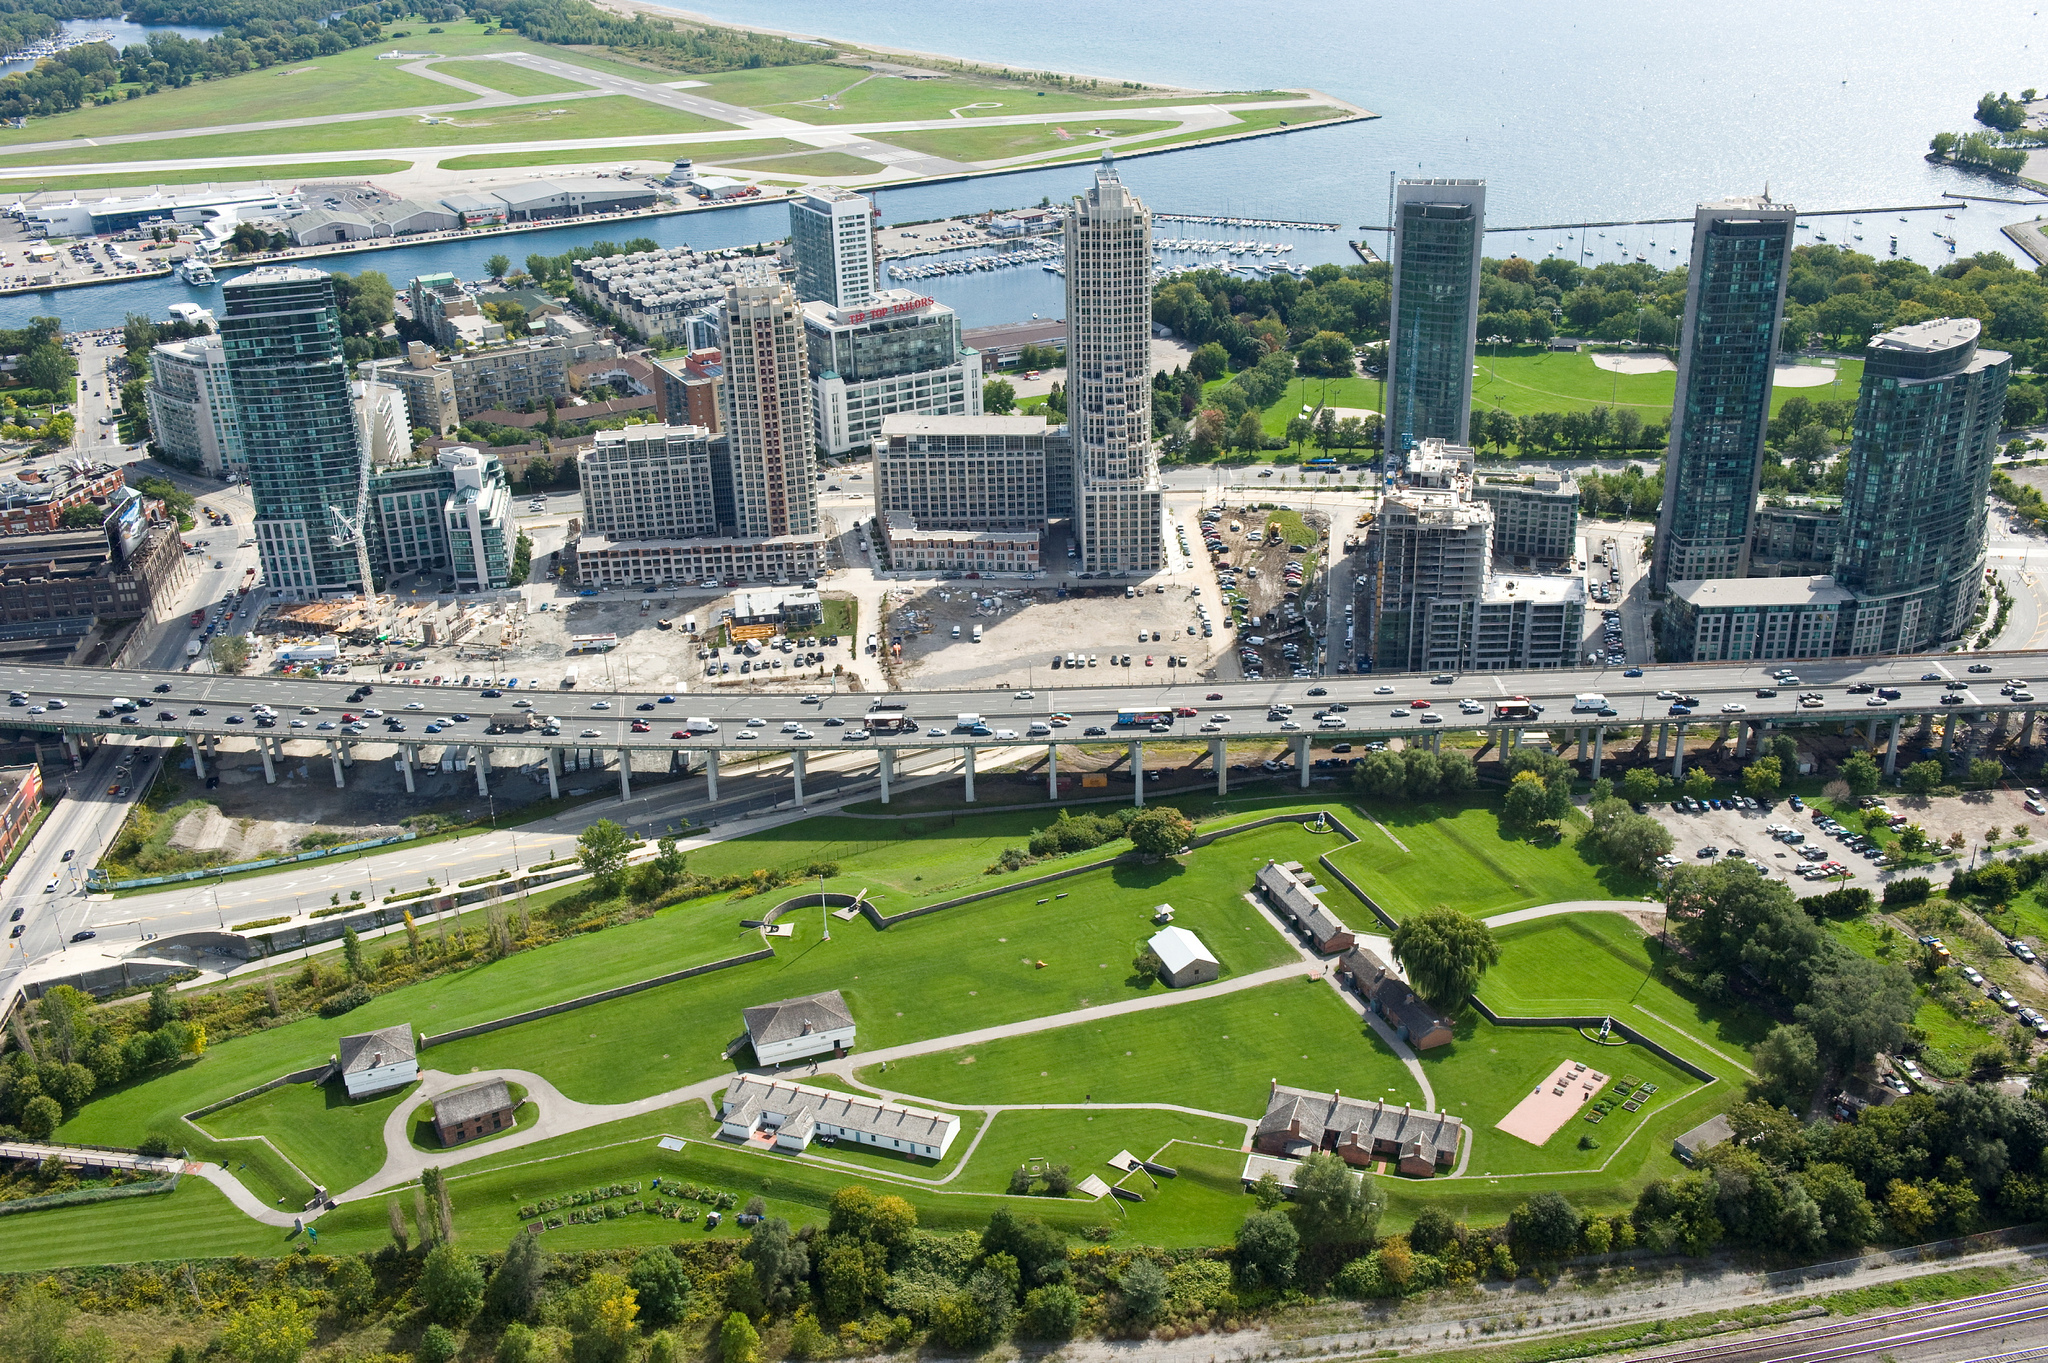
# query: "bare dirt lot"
[[1025, 624]]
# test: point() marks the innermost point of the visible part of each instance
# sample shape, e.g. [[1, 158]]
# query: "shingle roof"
[[372, 1050], [1369, 1121], [768, 1023], [1294, 891], [478, 1100], [803, 1108], [1397, 1002]]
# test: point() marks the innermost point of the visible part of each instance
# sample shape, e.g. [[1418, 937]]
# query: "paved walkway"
[[1638, 909]]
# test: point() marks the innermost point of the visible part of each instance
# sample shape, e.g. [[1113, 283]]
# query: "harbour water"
[[120, 33], [1572, 111]]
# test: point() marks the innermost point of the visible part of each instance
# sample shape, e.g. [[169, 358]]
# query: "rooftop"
[[1177, 949], [478, 1100], [917, 424], [748, 1095], [786, 1018], [370, 1050], [1762, 592]]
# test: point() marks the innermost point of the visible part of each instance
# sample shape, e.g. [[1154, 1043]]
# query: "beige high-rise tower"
[[768, 410], [1109, 379]]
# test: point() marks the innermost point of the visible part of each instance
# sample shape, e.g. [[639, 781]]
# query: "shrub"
[[349, 999], [1911, 890], [436, 1345]]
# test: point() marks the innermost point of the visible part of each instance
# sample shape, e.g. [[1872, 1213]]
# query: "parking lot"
[[1745, 827]]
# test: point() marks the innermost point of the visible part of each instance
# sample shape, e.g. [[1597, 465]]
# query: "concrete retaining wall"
[[1655, 1048], [569, 1005], [317, 1074]]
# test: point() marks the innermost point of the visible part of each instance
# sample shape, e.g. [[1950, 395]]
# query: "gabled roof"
[[1311, 1115], [1294, 890], [1177, 949], [1397, 1002], [478, 1100], [802, 1108], [768, 1023], [373, 1050]]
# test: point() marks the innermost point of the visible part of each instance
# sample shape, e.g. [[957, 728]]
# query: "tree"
[[230, 653], [1267, 1191], [1161, 831], [851, 1274], [437, 1345], [737, 1341], [1637, 840], [1052, 1312], [1144, 1289], [1698, 783], [1209, 361], [1787, 1063], [998, 397], [1327, 354], [603, 848], [1299, 428], [1913, 838], [1250, 435], [267, 1330], [47, 367], [888, 1220], [1433, 1230], [352, 953], [1528, 801], [354, 1288], [33, 1330], [1444, 953], [782, 1264], [498, 264], [602, 1321], [1641, 785], [451, 1285], [1547, 1226], [40, 1116], [1857, 1007], [1762, 778], [1985, 771], [82, 516], [1267, 1246], [1922, 777], [1334, 1203], [660, 1286], [1859, 771]]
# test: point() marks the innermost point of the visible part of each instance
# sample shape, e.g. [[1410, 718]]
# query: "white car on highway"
[[1735, 708]]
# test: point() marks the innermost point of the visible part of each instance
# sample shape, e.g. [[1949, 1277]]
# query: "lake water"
[[1571, 111], [122, 34]]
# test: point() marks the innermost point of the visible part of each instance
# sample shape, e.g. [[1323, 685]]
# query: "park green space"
[[859, 96], [1084, 1140], [994, 143], [606, 116], [1954, 1037], [338, 1141], [709, 153], [1487, 1070], [1426, 854], [1000, 960], [1590, 964], [510, 79], [206, 175], [196, 1219], [1297, 1031]]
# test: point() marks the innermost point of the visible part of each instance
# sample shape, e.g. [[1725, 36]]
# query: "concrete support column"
[[1052, 771], [1891, 752], [967, 754], [1301, 747], [270, 771], [334, 755], [348, 753], [1948, 734], [2027, 731], [1582, 743], [1138, 774], [554, 774], [1599, 747], [625, 774], [711, 774], [1663, 741], [1219, 759], [1678, 753], [1436, 740], [796, 769], [888, 756], [480, 758], [1870, 732], [199, 758]]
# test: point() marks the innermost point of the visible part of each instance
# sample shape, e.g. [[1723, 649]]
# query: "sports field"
[[1431, 854]]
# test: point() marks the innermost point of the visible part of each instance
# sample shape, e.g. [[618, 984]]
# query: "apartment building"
[[1439, 227], [508, 377], [898, 352], [191, 411], [832, 235], [450, 516], [649, 482], [427, 383], [1535, 519]]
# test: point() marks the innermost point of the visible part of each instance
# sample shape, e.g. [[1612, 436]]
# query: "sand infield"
[[1553, 1102]]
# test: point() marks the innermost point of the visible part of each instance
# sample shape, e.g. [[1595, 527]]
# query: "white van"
[[977, 634], [1590, 700], [1039, 728]]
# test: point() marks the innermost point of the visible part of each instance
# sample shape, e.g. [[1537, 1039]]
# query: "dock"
[[1366, 253]]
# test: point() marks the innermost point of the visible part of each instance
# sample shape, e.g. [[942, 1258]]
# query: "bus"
[[1143, 719]]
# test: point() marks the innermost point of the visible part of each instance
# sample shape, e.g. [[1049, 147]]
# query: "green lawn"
[[196, 1219], [1482, 1074], [1249, 120], [336, 1139], [608, 116], [832, 163], [207, 175], [424, 1135], [1586, 964], [1084, 1141], [954, 971], [1957, 1038], [861, 97], [991, 144], [1248, 1038], [708, 153], [512, 80], [1463, 857]]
